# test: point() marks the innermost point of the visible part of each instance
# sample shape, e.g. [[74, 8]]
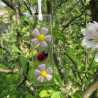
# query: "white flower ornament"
[[43, 73], [41, 38], [90, 39]]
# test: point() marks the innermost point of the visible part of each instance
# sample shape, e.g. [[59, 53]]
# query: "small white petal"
[[48, 38], [86, 32], [95, 47], [96, 25], [48, 77], [92, 30], [37, 72], [49, 70], [44, 30], [87, 44], [35, 32], [42, 67], [40, 78], [83, 31], [96, 57], [43, 44], [35, 41]]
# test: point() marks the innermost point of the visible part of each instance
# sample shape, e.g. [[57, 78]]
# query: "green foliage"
[[76, 96], [56, 95], [23, 61], [46, 93]]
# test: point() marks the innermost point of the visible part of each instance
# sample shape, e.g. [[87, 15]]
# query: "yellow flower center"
[[96, 39], [43, 73], [41, 37]]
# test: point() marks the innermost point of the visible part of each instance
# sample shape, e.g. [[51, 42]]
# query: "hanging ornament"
[[42, 42]]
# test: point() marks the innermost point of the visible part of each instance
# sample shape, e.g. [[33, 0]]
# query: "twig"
[[25, 76], [72, 69], [28, 8], [87, 78], [61, 3], [30, 88], [73, 63], [91, 78], [58, 63], [8, 71], [6, 51], [4, 62], [70, 9], [65, 26], [92, 61]]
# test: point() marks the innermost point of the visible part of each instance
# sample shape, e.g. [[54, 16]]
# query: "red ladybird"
[[42, 56]]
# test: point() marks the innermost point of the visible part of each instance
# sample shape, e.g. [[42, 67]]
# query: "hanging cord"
[[40, 17]]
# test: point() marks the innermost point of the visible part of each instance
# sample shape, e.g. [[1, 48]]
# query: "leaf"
[[28, 96], [15, 49], [23, 61], [56, 95], [58, 80], [46, 93], [76, 96]]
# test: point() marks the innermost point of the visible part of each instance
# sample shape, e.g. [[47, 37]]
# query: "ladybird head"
[[45, 53]]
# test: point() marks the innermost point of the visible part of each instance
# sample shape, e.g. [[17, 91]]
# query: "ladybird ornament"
[[42, 56]]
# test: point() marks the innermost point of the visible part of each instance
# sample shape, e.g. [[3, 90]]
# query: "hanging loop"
[[40, 17]]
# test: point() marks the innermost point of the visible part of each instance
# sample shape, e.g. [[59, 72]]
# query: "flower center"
[[96, 39], [41, 37], [43, 73]]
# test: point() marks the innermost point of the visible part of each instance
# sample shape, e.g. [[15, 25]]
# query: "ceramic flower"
[[41, 38], [43, 73], [90, 39]]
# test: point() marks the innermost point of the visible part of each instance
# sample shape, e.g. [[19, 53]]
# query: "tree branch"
[[73, 63], [70, 9], [30, 88], [57, 60], [65, 26], [6, 64], [60, 4], [28, 8], [9, 4], [25, 76], [6, 51], [90, 89], [8, 71]]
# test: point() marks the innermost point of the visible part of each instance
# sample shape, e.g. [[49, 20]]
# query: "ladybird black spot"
[[45, 53]]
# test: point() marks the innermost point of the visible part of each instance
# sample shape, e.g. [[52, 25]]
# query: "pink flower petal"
[[43, 44], [35, 41], [40, 78], [48, 38], [87, 44], [95, 47], [92, 30], [44, 30], [49, 70], [37, 72], [96, 57], [35, 32], [48, 77], [96, 25], [42, 67]]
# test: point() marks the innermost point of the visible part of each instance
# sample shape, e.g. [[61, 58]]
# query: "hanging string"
[[40, 17]]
